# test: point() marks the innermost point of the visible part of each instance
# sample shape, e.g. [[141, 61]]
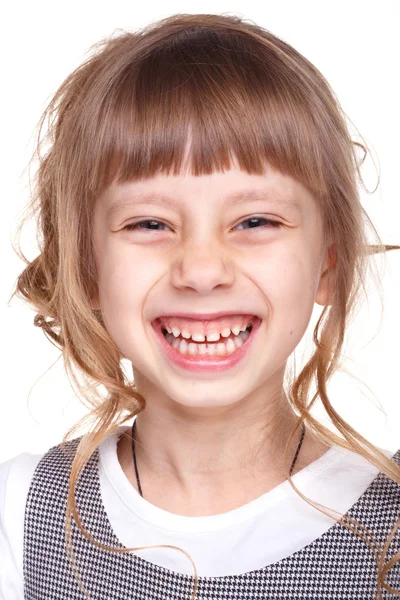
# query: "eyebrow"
[[235, 198]]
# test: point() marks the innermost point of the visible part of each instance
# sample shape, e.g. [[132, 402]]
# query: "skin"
[[209, 441]]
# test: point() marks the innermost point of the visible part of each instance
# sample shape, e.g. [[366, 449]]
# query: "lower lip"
[[205, 363]]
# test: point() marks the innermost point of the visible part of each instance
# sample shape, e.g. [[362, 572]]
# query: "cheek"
[[125, 280], [288, 283], [126, 277], [285, 275], [282, 281]]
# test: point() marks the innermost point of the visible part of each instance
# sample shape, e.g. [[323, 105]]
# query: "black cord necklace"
[[137, 472]]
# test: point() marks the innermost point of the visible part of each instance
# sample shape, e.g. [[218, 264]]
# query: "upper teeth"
[[212, 336]]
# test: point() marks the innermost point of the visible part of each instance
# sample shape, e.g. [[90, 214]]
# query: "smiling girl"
[[198, 197]]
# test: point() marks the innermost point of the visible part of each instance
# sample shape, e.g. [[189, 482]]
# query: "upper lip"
[[206, 316]]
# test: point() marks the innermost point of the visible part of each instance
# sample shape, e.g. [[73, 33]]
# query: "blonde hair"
[[126, 113]]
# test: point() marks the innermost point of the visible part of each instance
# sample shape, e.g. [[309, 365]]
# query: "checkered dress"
[[336, 566]]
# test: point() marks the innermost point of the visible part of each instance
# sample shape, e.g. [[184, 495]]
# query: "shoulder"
[[15, 478], [18, 476]]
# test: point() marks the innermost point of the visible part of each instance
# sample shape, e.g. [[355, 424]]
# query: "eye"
[[252, 220], [132, 226]]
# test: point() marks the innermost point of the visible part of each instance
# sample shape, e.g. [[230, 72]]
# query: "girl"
[[198, 197]]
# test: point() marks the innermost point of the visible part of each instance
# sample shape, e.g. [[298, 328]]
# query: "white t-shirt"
[[259, 533]]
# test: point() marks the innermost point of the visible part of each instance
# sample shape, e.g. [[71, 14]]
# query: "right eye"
[[133, 226]]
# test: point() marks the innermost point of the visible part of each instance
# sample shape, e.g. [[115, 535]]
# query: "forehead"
[[231, 188]]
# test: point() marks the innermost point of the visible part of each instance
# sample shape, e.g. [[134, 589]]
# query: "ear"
[[327, 278], [94, 304]]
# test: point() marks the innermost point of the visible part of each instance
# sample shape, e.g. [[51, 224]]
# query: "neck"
[[212, 465]]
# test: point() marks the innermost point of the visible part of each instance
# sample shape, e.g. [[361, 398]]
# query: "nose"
[[202, 267]]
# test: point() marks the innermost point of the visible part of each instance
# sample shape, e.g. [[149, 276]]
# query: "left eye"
[[252, 220], [255, 219]]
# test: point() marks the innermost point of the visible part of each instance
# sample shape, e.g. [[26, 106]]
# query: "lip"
[[206, 316], [205, 363]]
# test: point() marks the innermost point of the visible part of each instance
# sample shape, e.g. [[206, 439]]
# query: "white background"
[[355, 44]]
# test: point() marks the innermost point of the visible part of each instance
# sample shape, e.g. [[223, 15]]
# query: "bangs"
[[200, 100]]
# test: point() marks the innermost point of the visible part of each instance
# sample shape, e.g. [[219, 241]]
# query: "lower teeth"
[[204, 349]]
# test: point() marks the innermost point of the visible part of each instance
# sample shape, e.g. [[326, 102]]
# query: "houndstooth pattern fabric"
[[336, 566]]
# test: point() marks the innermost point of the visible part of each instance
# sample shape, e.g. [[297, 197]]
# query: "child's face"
[[202, 256]]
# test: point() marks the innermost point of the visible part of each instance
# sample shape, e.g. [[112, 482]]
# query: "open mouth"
[[222, 347], [207, 356]]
